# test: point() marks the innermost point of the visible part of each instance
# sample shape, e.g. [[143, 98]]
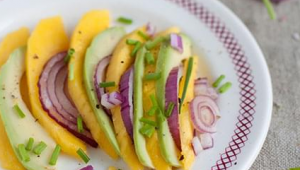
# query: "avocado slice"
[[138, 112], [168, 58], [102, 45], [19, 130]]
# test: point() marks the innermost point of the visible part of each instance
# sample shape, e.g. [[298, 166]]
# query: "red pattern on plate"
[[245, 79]]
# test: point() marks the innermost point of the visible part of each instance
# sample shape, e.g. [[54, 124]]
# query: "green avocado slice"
[[138, 112], [18, 129], [168, 58], [102, 46]]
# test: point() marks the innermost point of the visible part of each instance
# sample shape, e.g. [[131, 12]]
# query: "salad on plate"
[[136, 95]]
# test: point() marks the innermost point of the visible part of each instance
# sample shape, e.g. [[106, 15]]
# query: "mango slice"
[[149, 89], [185, 122], [88, 27], [48, 39], [10, 42], [120, 62]]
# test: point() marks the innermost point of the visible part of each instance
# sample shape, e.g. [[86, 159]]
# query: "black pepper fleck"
[[79, 32], [122, 62], [235, 163], [181, 158], [35, 57], [179, 100], [97, 106]]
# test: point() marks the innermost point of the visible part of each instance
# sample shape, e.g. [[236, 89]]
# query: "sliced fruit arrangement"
[[137, 96]]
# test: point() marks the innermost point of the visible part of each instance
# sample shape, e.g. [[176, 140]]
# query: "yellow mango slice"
[[149, 89], [185, 122], [88, 27], [10, 42], [119, 63], [48, 39]]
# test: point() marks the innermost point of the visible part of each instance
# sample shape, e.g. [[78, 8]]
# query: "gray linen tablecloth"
[[281, 149]]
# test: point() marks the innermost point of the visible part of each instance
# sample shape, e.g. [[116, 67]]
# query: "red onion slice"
[[150, 29], [197, 146], [202, 87], [52, 103], [99, 77], [203, 113], [89, 167], [207, 140], [171, 95], [110, 100], [176, 42], [126, 89]]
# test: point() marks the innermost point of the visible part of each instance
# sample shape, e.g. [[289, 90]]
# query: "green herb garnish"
[[152, 76], [149, 122], [152, 111], [29, 145], [149, 58], [186, 83], [136, 48], [153, 100], [151, 44], [79, 124], [70, 53], [55, 155], [218, 81], [170, 109], [23, 153], [83, 156], [270, 9], [107, 84], [225, 87], [147, 130], [143, 35], [71, 71], [124, 20], [19, 111], [131, 42], [38, 149]]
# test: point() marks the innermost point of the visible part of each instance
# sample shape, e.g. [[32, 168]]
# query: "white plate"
[[226, 44]]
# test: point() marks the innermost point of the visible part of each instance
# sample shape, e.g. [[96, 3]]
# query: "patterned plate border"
[[245, 78]]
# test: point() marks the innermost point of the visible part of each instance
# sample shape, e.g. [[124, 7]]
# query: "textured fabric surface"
[[281, 149]]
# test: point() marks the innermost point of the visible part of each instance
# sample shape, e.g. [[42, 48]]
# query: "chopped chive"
[[151, 44], [153, 100], [152, 76], [71, 71], [295, 168], [38, 149], [170, 109], [160, 117], [186, 83], [152, 111], [143, 35], [218, 81], [225, 87], [19, 111], [124, 20], [149, 58], [29, 145], [149, 122], [135, 49], [55, 155], [270, 9], [83, 156], [147, 130], [131, 42], [70, 53], [107, 84], [79, 124], [23, 153]]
